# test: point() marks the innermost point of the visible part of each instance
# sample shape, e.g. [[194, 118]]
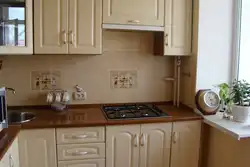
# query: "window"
[[12, 23], [244, 41]]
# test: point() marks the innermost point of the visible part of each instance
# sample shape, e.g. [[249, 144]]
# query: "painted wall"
[[213, 49], [122, 51]]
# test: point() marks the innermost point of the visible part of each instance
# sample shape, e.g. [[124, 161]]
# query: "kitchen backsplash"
[[123, 51]]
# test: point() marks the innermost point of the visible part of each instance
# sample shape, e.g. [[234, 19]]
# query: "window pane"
[[12, 23], [244, 62]]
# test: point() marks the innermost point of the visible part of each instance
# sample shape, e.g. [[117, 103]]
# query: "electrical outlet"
[[80, 95]]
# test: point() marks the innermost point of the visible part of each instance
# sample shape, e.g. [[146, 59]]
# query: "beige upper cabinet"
[[16, 27], [50, 26], [85, 22], [37, 148], [68, 26], [122, 146], [134, 12], [178, 27], [185, 144], [155, 142]]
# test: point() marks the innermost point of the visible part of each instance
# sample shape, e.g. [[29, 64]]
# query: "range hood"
[[132, 27]]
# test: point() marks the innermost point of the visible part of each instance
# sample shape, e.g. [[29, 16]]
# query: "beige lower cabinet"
[[153, 145], [122, 146], [37, 148], [185, 144], [14, 154], [11, 157], [131, 145], [5, 162], [155, 142], [83, 163]]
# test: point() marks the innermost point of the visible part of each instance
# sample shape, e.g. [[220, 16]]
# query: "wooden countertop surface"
[[83, 117]]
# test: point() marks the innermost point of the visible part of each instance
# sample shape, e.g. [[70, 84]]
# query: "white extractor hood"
[[132, 27]]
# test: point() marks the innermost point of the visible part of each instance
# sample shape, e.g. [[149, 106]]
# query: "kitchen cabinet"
[[14, 154], [178, 27], [11, 157], [16, 27], [155, 145], [131, 145], [122, 146], [68, 26], [134, 12], [83, 147], [37, 148], [82, 163], [5, 161], [185, 144]]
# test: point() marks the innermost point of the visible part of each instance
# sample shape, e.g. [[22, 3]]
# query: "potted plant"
[[226, 101], [240, 95]]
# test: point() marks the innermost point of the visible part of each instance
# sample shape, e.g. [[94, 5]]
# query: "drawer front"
[[80, 135], [82, 163], [81, 151]]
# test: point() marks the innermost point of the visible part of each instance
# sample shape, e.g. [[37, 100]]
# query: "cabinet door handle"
[[166, 39], [81, 136], [175, 137], [134, 21], [71, 34], [11, 161], [136, 140], [78, 153], [64, 37], [142, 139]]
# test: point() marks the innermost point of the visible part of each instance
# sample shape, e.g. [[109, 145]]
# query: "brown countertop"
[[7, 136], [83, 117], [94, 116]]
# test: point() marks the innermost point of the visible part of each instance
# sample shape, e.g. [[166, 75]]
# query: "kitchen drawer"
[[80, 135], [81, 151], [82, 163]]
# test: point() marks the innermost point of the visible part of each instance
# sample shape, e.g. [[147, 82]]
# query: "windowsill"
[[235, 129]]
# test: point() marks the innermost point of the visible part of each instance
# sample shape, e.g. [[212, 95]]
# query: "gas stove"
[[133, 111]]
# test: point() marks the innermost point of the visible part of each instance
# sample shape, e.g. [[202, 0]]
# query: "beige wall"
[[122, 51]]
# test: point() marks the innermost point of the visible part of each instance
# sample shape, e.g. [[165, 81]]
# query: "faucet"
[[11, 89]]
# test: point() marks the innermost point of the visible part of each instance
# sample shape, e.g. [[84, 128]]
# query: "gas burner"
[[134, 111]]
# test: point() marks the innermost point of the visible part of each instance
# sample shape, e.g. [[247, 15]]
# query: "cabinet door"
[[37, 148], [85, 26], [185, 144], [83, 163], [138, 12], [14, 154], [5, 161], [178, 27], [50, 26], [155, 142], [122, 146]]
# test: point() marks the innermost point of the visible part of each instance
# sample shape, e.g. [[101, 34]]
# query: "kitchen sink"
[[16, 117]]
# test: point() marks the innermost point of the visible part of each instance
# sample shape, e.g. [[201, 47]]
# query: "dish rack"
[[58, 99]]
